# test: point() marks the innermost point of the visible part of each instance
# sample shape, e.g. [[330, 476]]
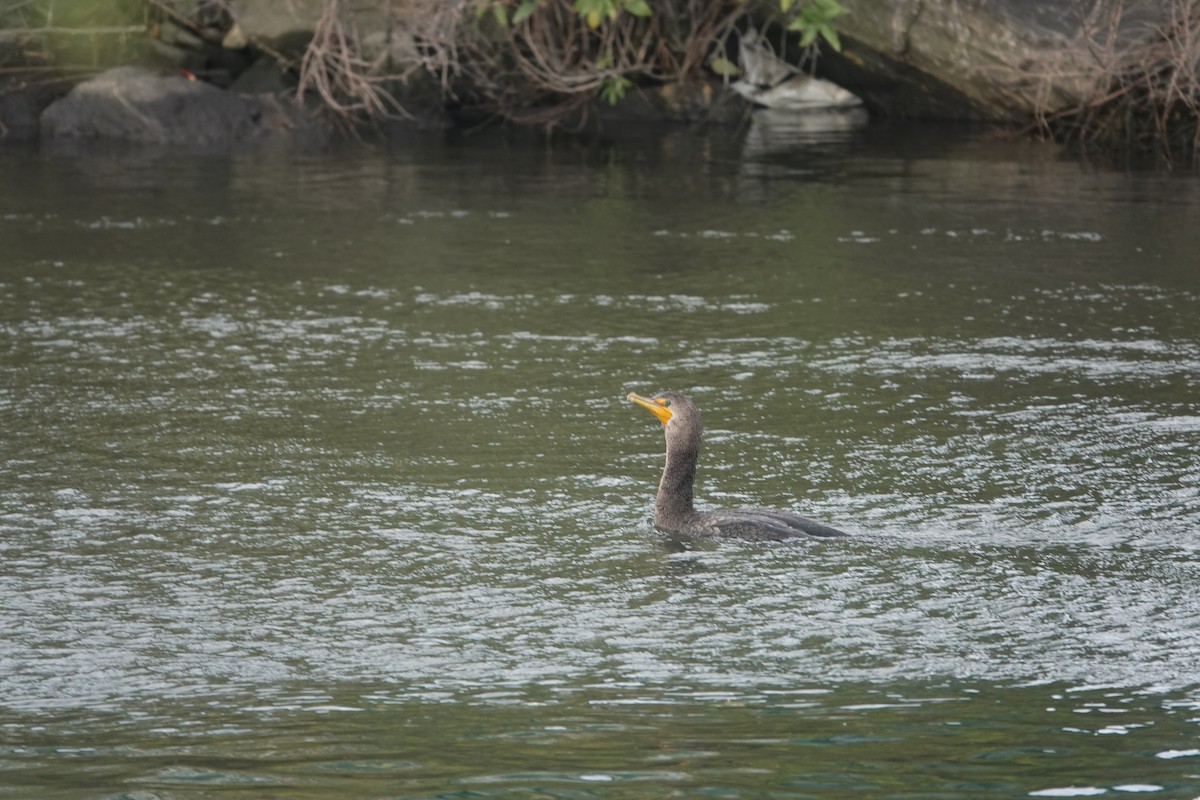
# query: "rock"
[[235, 39], [769, 81], [133, 104], [288, 26], [136, 105], [1005, 60], [273, 20], [264, 76], [801, 93]]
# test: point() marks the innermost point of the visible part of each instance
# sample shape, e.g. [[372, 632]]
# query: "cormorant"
[[674, 512]]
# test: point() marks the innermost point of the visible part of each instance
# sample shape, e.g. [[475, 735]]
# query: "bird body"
[[674, 508]]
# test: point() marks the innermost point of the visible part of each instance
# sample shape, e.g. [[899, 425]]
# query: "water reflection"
[[773, 132]]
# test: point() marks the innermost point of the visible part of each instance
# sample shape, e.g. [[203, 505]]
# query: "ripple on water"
[[298, 486], [264, 529]]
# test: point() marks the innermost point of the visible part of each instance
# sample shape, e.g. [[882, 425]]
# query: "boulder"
[[1005, 60], [133, 104], [288, 26], [273, 20], [769, 81]]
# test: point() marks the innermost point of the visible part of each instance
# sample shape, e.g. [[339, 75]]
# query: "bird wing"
[[764, 524]]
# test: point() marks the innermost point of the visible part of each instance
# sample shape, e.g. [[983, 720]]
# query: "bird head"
[[675, 411]]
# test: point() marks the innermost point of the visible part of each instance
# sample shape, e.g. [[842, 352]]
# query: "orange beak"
[[657, 406]]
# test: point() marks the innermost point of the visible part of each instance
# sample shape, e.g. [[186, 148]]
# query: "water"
[[317, 477]]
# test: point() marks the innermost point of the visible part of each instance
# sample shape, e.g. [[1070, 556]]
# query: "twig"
[[31, 33]]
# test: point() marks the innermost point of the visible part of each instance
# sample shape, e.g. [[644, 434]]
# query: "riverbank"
[[1121, 76]]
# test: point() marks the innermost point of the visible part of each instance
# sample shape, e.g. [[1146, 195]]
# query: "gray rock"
[[288, 26], [273, 20], [986, 59], [133, 104], [264, 76]]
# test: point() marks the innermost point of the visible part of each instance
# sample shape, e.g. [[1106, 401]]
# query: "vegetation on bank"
[[529, 61], [541, 61], [1137, 81], [1133, 77]]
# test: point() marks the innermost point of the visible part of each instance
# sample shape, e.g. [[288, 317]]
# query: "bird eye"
[[666, 403]]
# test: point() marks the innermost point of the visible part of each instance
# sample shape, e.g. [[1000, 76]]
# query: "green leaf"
[[639, 8], [724, 67], [501, 15], [831, 36], [808, 36], [614, 89], [786, 5], [523, 11], [830, 8]]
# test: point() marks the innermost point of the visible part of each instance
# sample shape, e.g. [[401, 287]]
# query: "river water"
[[317, 478]]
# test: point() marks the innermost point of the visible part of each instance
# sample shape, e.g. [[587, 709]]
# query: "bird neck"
[[678, 480]]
